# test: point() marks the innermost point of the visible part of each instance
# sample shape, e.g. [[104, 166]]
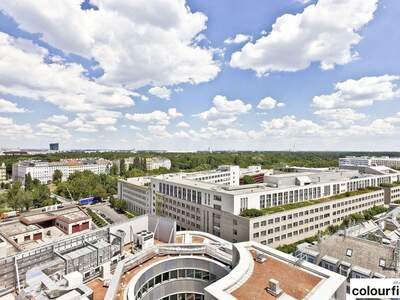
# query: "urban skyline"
[[224, 75]]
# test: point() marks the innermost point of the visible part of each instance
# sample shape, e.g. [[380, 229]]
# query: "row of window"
[[174, 275]]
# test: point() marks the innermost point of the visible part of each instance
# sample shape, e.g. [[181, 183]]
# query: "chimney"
[[273, 287]]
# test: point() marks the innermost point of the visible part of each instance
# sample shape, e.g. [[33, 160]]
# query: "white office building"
[[43, 170], [137, 191], [391, 162], [290, 206]]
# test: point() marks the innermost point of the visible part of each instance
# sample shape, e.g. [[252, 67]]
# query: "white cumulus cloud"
[[359, 93], [269, 103], [324, 32], [10, 107], [161, 92], [238, 39]]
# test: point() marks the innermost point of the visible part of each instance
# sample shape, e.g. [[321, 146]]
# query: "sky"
[[296, 75]]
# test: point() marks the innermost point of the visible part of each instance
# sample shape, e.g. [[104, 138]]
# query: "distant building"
[[391, 162], [255, 172], [43, 170], [3, 172], [54, 147], [152, 163]]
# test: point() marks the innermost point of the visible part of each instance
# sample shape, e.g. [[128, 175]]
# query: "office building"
[[43, 170], [286, 208], [391, 162], [256, 173], [137, 191]]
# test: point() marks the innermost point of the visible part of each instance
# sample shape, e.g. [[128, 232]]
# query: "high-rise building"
[[54, 147]]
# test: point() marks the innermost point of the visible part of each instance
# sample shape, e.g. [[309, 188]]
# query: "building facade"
[[3, 173], [391, 162], [43, 170]]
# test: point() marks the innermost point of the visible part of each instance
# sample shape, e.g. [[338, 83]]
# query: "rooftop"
[[16, 228], [284, 272], [363, 253]]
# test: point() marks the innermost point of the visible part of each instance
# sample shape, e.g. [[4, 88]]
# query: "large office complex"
[[391, 162], [287, 207], [43, 170]]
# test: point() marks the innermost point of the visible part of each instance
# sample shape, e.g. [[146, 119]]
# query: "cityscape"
[[199, 150]]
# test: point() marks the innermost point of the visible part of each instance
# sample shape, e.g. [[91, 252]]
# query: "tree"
[[13, 199], [57, 176], [248, 179], [114, 170], [28, 182], [40, 193], [121, 205], [25, 199], [100, 191], [122, 167]]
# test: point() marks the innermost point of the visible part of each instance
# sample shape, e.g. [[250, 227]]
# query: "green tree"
[[100, 191], [13, 198], [122, 167], [25, 199], [248, 179], [28, 182], [40, 193], [57, 176]]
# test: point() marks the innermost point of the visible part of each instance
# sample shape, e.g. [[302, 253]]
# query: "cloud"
[[10, 107], [59, 119], [155, 117], [269, 103], [359, 93], [62, 84], [238, 39], [131, 40], [10, 129], [224, 111], [160, 92], [341, 115], [183, 124], [52, 131], [89, 122], [324, 32], [110, 128], [290, 126]]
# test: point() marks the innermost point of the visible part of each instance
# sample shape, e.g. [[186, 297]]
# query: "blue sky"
[[176, 75]]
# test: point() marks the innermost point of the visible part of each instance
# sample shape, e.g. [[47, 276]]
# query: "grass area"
[[130, 214], [96, 218], [393, 184], [251, 213], [5, 209]]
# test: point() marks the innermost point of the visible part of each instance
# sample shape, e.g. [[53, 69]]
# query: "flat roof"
[[15, 228], [294, 281]]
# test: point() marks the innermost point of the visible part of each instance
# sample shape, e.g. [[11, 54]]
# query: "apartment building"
[[152, 163], [3, 173], [43, 170], [391, 162]]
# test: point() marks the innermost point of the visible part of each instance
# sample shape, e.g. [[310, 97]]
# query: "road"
[[108, 212], [62, 199]]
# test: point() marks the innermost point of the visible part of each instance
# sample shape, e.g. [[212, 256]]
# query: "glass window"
[[173, 274]]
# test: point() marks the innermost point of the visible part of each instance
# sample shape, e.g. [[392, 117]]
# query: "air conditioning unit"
[[273, 287]]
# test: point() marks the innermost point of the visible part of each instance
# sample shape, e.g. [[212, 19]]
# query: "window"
[[382, 262], [349, 252]]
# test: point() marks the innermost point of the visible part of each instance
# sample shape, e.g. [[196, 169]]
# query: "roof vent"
[[261, 258], [273, 287]]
